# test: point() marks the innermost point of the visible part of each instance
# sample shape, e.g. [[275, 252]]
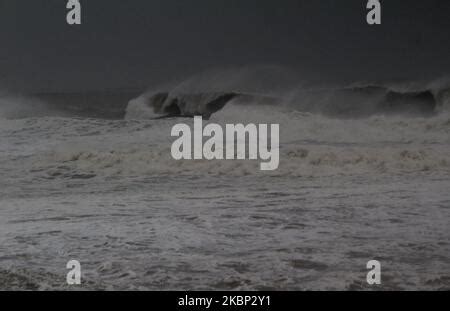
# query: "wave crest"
[[208, 94]]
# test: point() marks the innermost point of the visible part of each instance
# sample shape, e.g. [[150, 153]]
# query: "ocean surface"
[[103, 189]]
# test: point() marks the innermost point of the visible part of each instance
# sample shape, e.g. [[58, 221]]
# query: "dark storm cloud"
[[134, 43]]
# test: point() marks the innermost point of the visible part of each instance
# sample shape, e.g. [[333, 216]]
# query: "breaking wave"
[[397, 127], [207, 94]]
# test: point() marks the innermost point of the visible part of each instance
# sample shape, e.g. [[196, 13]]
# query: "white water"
[[109, 194]]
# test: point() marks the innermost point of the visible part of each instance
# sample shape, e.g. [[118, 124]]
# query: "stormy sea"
[[364, 175]]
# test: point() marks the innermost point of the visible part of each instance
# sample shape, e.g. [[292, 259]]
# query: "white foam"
[[310, 145]]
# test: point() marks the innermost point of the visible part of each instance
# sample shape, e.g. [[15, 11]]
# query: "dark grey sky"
[[140, 42]]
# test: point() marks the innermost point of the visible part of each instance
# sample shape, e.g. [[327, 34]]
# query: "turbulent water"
[[106, 191]]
